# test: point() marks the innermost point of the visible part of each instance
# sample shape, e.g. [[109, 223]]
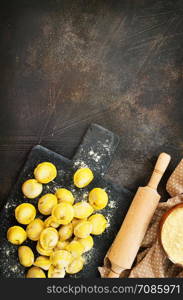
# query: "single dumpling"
[[34, 229], [83, 229], [45, 172], [65, 232], [63, 213], [64, 195], [82, 177], [46, 203], [16, 235], [26, 256], [31, 188], [98, 198], [51, 222], [75, 266], [82, 210], [60, 259], [86, 242], [49, 238], [56, 273], [75, 248], [42, 262], [35, 272], [99, 223], [25, 213]]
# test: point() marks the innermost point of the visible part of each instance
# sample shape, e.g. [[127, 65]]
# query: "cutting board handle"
[[96, 149], [159, 169]]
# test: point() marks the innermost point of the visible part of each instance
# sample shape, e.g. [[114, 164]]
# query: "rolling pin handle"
[[159, 170], [113, 275]]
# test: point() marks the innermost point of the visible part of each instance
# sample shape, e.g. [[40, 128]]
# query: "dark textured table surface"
[[65, 64]]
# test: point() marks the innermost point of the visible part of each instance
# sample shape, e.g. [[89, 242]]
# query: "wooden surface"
[[65, 64]]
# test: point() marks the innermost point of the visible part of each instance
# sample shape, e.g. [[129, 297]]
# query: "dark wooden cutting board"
[[96, 151]]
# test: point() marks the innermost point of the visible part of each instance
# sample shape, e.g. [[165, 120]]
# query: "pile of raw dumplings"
[[67, 231]]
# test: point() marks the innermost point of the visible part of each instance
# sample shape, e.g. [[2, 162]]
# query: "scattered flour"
[[96, 157], [88, 256], [85, 195], [79, 163], [112, 204], [60, 172], [91, 152], [57, 187], [107, 148], [108, 221], [14, 268], [72, 189], [10, 205], [7, 252]]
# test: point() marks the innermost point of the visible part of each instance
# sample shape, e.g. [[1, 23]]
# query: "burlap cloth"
[[151, 261]]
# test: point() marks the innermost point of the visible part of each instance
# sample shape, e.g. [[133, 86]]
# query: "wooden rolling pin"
[[129, 238]]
